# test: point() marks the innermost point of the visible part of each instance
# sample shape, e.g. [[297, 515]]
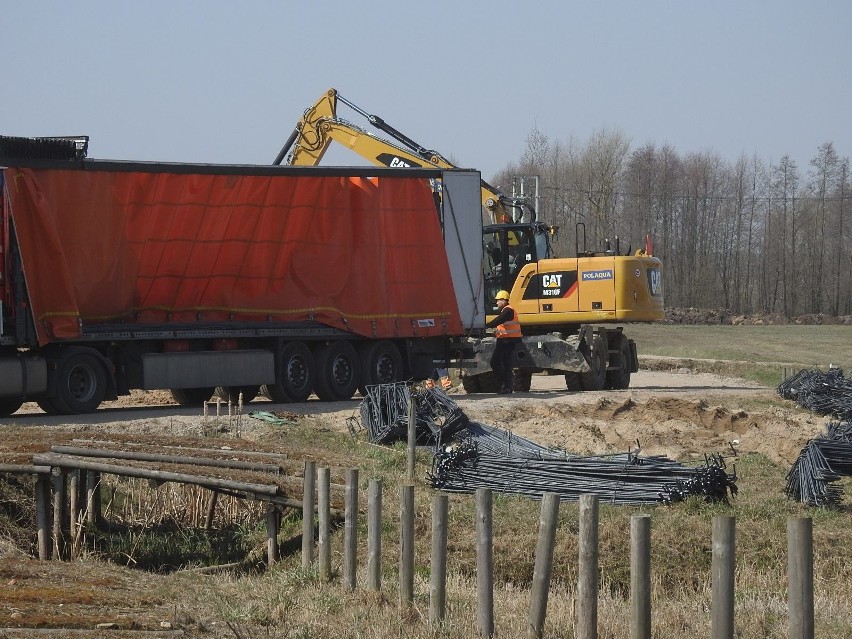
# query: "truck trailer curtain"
[[104, 247]]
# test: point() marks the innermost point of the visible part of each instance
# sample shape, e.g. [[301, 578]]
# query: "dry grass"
[[286, 601]]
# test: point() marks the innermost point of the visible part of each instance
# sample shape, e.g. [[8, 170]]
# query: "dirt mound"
[[678, 428]]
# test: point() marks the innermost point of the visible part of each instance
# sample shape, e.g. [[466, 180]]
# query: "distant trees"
[[747, 236]]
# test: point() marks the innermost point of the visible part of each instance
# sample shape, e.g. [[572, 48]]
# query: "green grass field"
[[757, 353]]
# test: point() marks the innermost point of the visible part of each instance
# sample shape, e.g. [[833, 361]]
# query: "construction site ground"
[[674, 412]]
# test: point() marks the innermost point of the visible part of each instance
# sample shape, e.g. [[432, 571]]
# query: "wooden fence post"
[[406, 546], [484, 564], [75, 528], [438, 564], [58, 509], [543, 564], [93, 497], [724, 553], [42, 490], [308, 514], [350, 529], [800, 578], [412, 440], [374, 535], [587, 587], [324, 516], [272, 525], [211, 510], [640, 577]]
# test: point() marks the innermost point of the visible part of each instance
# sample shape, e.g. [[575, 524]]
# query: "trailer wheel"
[[338, 371], [484, 383], [232, 393], [294, 380], [381, 363], [619, 378], [522, 381], [573, 382], [9, 405], [595, 379], [470, 384], [81, 383], [191, 396]]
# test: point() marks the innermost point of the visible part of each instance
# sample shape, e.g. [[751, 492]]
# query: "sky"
[[225, 82]]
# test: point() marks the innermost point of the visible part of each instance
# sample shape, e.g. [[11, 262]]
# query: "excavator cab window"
[[508, 248]]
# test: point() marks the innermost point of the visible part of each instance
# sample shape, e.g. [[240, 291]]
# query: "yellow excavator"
[[570, 309]]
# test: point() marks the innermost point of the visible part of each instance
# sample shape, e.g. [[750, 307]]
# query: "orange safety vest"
[[512, 328]]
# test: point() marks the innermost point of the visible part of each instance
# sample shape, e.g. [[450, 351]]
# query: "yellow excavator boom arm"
[[319, 126]]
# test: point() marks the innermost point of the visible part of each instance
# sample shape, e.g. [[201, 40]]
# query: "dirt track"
[[678, 414]]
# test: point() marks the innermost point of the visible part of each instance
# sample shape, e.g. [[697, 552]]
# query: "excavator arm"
[[320, 126]]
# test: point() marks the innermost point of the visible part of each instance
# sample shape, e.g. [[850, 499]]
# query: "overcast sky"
[[225, 82]]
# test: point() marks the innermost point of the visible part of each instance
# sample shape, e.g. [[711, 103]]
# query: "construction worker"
[[507, 330]]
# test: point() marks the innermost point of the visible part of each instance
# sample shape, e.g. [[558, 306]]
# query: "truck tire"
[[49, 407], [338, 371], [595, 378], [9, 405], [232, 393], [381, 363], [294, 379], [619, 378], [81, 383], [191, 396]]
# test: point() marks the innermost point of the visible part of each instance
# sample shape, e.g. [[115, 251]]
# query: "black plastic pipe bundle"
[[823, 393], [822, 461]]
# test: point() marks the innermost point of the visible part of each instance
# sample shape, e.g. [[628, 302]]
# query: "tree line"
[[748, 236]]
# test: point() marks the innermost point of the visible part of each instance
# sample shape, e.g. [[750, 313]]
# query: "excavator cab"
[[508, 247]]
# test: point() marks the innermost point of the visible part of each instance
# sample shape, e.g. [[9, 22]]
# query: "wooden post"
[[438, 564], [543, 564], [211, 510], [42, 488], [58, 508], [587, 588], [272, 524], [724, 551], [412, 440], [324, 516], [93, 497], [73, 509], [484, 564], [406, 546], [640, 577], [350, 529], [308, 514], [374, 535], [800, 577]]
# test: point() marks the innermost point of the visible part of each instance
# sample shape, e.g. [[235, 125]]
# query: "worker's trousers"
[[501, 361]]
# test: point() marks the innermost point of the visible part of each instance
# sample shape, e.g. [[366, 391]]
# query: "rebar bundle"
[[470, 455], [824, 393], [624, 478], [821, 462], [384, 413]]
